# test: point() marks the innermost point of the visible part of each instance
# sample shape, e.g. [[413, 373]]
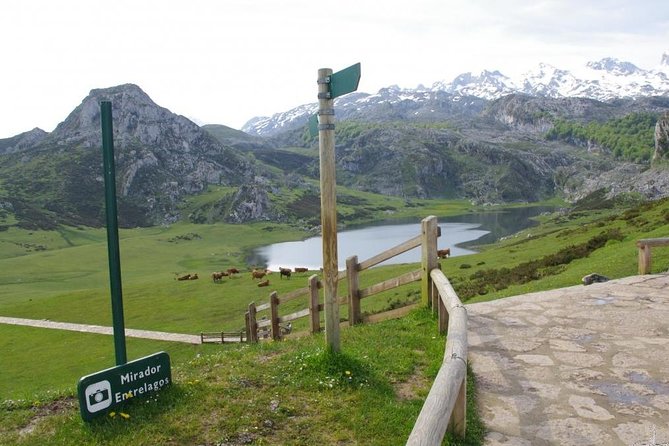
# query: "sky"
[[227, 61]]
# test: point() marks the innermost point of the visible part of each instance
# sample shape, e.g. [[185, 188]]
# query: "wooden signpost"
[[331, 86]]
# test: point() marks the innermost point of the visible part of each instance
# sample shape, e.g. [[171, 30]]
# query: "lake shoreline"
[[459, 233]]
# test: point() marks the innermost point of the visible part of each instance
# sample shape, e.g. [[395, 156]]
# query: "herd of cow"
[[261, 274], [256, 273]]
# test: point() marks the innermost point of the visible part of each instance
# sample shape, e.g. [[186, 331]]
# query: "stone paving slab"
[[584, 365], [99, 329]]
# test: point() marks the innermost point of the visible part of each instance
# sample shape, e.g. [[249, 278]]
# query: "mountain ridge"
[[413, 144], [604, 80]]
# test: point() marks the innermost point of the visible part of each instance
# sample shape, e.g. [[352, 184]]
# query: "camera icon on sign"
[[98, 396]]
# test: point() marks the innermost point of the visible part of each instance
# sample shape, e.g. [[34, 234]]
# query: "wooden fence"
[[644, 246], [274, 326], [445, 405]]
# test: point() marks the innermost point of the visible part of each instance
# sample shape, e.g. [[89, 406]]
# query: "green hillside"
[[629, 138]]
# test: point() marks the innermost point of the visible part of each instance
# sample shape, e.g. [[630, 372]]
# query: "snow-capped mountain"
[[487, 85], [602, 80]]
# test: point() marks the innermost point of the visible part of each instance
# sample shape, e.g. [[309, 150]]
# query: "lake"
[[457, 233]]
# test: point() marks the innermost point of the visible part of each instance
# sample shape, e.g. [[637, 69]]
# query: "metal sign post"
[[329, 87], [101, 392], [112, 232]]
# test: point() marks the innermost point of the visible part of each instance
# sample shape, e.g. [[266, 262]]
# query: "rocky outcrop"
[[661, 138], [251, 202], [22, 141]]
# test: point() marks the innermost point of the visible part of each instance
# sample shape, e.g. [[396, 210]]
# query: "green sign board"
[[345, 81], [100, 392], [313, 125]]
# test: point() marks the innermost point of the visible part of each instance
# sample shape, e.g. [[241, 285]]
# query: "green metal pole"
[[112, 232]]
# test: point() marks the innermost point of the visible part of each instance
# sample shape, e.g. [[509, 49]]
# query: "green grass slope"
[[287, 393]]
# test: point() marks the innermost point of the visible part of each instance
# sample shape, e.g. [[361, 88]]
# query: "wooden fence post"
[[274, 309], [248, 326], [352, 274], [326, 149], [429, 259], [253, 323], [442, 313], [314, 308], [644, 259]]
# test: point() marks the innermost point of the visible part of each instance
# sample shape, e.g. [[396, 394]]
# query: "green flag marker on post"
[[339, 83], [345, 81], [313, 125]]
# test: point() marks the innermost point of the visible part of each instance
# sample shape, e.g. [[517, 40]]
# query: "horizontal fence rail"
[[445, 406], [221, 337]]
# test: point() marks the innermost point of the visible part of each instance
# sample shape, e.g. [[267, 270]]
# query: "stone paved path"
[[129, 332], [585, 365]]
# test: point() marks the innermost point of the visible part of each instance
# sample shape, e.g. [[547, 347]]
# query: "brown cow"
[[184, 277], [218, 276], [284, 272], [257, 274], [444, 253], [301, 270], [264, 283], [193, 277], [232, 271]]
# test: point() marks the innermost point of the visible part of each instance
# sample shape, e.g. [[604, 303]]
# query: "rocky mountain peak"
[[136, 119], [161, 157], [614, 66], [22, 141]]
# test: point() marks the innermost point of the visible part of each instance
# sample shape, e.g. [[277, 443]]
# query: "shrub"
[[551, 264]]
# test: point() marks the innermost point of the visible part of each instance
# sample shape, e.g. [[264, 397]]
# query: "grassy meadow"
[[286, 393], [273, 393]]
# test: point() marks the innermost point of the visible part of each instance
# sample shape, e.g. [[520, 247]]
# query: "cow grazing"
[[301, 270], [264, 283], [284, 272], [218, 276], [257, 274], [444, 253], [232, 271]]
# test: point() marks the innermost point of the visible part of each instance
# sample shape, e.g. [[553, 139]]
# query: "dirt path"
[[129, 332], [584, 365]]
